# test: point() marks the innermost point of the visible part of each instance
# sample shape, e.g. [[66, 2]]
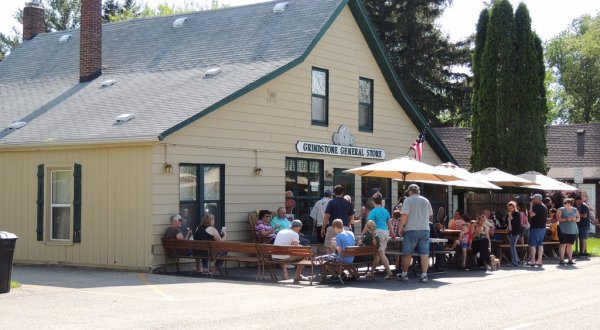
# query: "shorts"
[[288, 258], [536, 237], [584, 232], [329, 235], [416, 240], [567, 238], [383, 238], [464, 245]]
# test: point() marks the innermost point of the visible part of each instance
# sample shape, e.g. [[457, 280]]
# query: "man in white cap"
[[318, 213], [538, 215], [414, 227], [287, 237]]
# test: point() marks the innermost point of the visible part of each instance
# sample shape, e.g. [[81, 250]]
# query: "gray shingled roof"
[[566, 148], [158, 70], [458, 142]]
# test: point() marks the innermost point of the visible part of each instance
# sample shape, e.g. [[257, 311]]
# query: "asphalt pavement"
[[512, 298]]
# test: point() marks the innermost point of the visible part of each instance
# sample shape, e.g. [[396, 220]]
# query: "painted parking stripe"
[[154, 288], [520, 326]]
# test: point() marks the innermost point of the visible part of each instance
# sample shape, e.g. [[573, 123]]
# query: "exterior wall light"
[[258, 171]]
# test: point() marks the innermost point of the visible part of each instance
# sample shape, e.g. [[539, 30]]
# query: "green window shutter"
[[40, 203], [77, 204]]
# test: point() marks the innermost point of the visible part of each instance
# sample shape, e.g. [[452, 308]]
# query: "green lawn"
[[593, 246], [14, 284]]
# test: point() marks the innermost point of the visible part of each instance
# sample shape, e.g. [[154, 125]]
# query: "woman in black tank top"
[[207, 232]]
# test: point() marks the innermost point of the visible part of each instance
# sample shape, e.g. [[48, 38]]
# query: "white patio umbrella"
[[543, 182], [466, 178], [403, 168], [503, 179]]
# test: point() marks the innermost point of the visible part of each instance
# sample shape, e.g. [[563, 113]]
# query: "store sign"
[[338, 150]]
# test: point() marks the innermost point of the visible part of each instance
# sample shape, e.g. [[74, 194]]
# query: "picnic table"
[[433, 254]]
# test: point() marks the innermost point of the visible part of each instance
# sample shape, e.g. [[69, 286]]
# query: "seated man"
[[174, 230], [280, 222], [343, 239], [287, 237]]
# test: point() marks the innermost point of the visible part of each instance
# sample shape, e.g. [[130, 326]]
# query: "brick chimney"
[[90, 47], [33, 20]]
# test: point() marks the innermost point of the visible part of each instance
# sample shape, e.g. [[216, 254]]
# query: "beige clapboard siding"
[[231, 134], [116, 200]]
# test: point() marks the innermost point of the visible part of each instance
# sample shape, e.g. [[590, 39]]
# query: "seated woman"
[[481, 244], [265, 233], [206, 231]]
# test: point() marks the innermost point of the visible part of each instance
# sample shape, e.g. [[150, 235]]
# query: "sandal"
[[388, 276]]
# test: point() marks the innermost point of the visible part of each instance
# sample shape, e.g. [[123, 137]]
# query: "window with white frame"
[[320, 97], [61, 199]]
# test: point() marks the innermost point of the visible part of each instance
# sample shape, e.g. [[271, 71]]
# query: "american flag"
[[417, 146]]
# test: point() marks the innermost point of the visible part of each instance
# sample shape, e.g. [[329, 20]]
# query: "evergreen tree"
[[526, 97], [495, 99], [421, 54], [541, 148], [478, 124]]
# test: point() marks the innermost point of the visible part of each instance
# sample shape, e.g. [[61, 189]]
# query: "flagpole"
[[421, 136]]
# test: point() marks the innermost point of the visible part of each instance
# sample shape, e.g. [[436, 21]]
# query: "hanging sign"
[[336, 150]]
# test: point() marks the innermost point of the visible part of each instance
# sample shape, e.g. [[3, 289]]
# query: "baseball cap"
[[296, 223], [414, 187], [328, 192], [537, 196], [577, 197]]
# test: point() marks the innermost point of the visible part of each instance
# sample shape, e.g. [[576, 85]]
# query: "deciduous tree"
[[574, 57]]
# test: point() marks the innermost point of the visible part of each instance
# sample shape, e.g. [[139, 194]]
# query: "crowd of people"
[[334, 219], [534, 225]]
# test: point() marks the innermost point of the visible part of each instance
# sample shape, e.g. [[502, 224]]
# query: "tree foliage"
[[479, 122], [574, 56], [530, 98], [423, 56], [509, 102]]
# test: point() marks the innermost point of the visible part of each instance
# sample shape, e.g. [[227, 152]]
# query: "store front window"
[[303, 186]]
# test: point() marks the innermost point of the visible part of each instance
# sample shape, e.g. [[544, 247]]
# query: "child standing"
[[464, 241]]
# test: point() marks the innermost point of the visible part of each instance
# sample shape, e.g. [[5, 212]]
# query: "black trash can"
[[7, 250]]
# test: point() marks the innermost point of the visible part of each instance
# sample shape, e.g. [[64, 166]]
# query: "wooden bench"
[[187, 249], [506, 257], [552, 246], [235, 251], [351, 251], [266, 252]]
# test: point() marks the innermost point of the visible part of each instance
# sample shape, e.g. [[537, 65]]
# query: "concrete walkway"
[[64, 298]]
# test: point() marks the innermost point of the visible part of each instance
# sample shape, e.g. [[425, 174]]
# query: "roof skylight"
[[212, 72], [122, 119], [280, 7], [179, 22], [64, 38], [16, 125], [108, 83]]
